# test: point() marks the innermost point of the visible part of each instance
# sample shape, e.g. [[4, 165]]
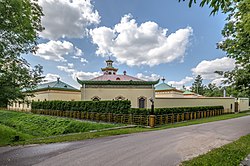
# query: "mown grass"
[[27, 126], [84, 134], [230, 155]]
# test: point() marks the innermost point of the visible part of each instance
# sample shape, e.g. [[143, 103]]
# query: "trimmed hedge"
[[114, 106], [162, 111], [117, 107]]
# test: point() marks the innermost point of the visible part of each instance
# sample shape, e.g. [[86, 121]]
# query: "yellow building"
[[56, 90], [165, 90], [113, 86]]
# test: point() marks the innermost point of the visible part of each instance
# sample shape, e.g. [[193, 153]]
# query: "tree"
[[197, 86], [236, 41], [20, 24], [216, 5], [237, 45], [211, 90]]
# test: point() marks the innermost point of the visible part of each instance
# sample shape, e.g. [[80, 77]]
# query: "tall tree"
[[237, 45], [20, 24], [211, 90], [197, 86], [236, 41]]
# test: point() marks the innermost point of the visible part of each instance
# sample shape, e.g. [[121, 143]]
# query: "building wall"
[[168, 94], [46, 95], [227, 102], [243, 104], [111, 93]]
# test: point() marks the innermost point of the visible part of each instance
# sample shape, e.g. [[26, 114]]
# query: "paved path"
[[164, 147]]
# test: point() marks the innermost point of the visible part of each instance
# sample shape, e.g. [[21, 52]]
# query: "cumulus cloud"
[[144, 44], [179, 84], [152, 77], [78, 74], [207, 68], [56, 50], [51, 77], [67, 18], [85, 75], [66, 69]]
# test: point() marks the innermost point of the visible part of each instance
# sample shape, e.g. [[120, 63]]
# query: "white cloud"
[[67, 18], [83, 60], [152, 77], [71, 65], [179, 84], [207, 68], [66, 69], [85, 75], [79, 74], [218, 81], [145, 44], [55, 50], [51, 77]]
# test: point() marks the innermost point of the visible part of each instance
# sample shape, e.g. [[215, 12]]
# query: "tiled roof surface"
[[116, 78], [163, 86], [55, 85], [188, 93]]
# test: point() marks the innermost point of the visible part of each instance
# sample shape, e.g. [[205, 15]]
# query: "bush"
[[116, 107], [162, 111]]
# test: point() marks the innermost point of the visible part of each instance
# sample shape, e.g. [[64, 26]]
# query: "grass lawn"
[[231, 154], [47, 129], [29, 126]]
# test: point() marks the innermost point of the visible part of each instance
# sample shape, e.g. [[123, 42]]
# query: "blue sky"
[[148, 39]]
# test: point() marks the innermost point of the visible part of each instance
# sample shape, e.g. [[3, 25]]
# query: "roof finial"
[[163, 79], [58, 79]]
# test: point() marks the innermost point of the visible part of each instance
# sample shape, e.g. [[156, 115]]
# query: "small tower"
[[109, 69]]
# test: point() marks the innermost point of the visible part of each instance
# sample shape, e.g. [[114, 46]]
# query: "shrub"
[[116, 107]]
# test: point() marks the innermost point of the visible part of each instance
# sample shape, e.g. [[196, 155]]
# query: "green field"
[[33, 129], [230, 155], [19, 126]]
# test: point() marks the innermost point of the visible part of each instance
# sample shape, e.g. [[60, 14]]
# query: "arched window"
[[118, 78], [96, 98], [142, 102], [120, 98]]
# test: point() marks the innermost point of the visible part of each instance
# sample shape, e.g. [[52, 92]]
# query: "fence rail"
[[131, 118]]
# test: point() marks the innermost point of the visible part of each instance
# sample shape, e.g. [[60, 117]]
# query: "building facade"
[[56, 90], [113, 86]]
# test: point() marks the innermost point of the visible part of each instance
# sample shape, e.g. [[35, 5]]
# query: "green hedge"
[[117, 107], [162, 111]]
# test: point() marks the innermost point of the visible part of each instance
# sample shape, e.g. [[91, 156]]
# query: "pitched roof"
[[116, 82], [116, 78], [164, 86], [55, 85], [188, 93]]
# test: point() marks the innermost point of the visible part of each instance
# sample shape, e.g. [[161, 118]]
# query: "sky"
[[148, 39]]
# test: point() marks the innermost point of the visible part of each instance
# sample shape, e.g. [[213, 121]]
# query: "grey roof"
[[163, 86], [55, 85]]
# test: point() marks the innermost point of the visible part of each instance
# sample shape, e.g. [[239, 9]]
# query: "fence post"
[[152, 121]]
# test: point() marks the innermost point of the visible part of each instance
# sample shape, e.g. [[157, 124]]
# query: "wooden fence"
[[179, 117], [130, 118]]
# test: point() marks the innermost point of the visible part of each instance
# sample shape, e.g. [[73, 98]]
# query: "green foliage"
[[231, 154], [236, 44], [216, 5], [197, 86], [42, 126], [20, 23], [162, 111], [211, 90], [117, 107]]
